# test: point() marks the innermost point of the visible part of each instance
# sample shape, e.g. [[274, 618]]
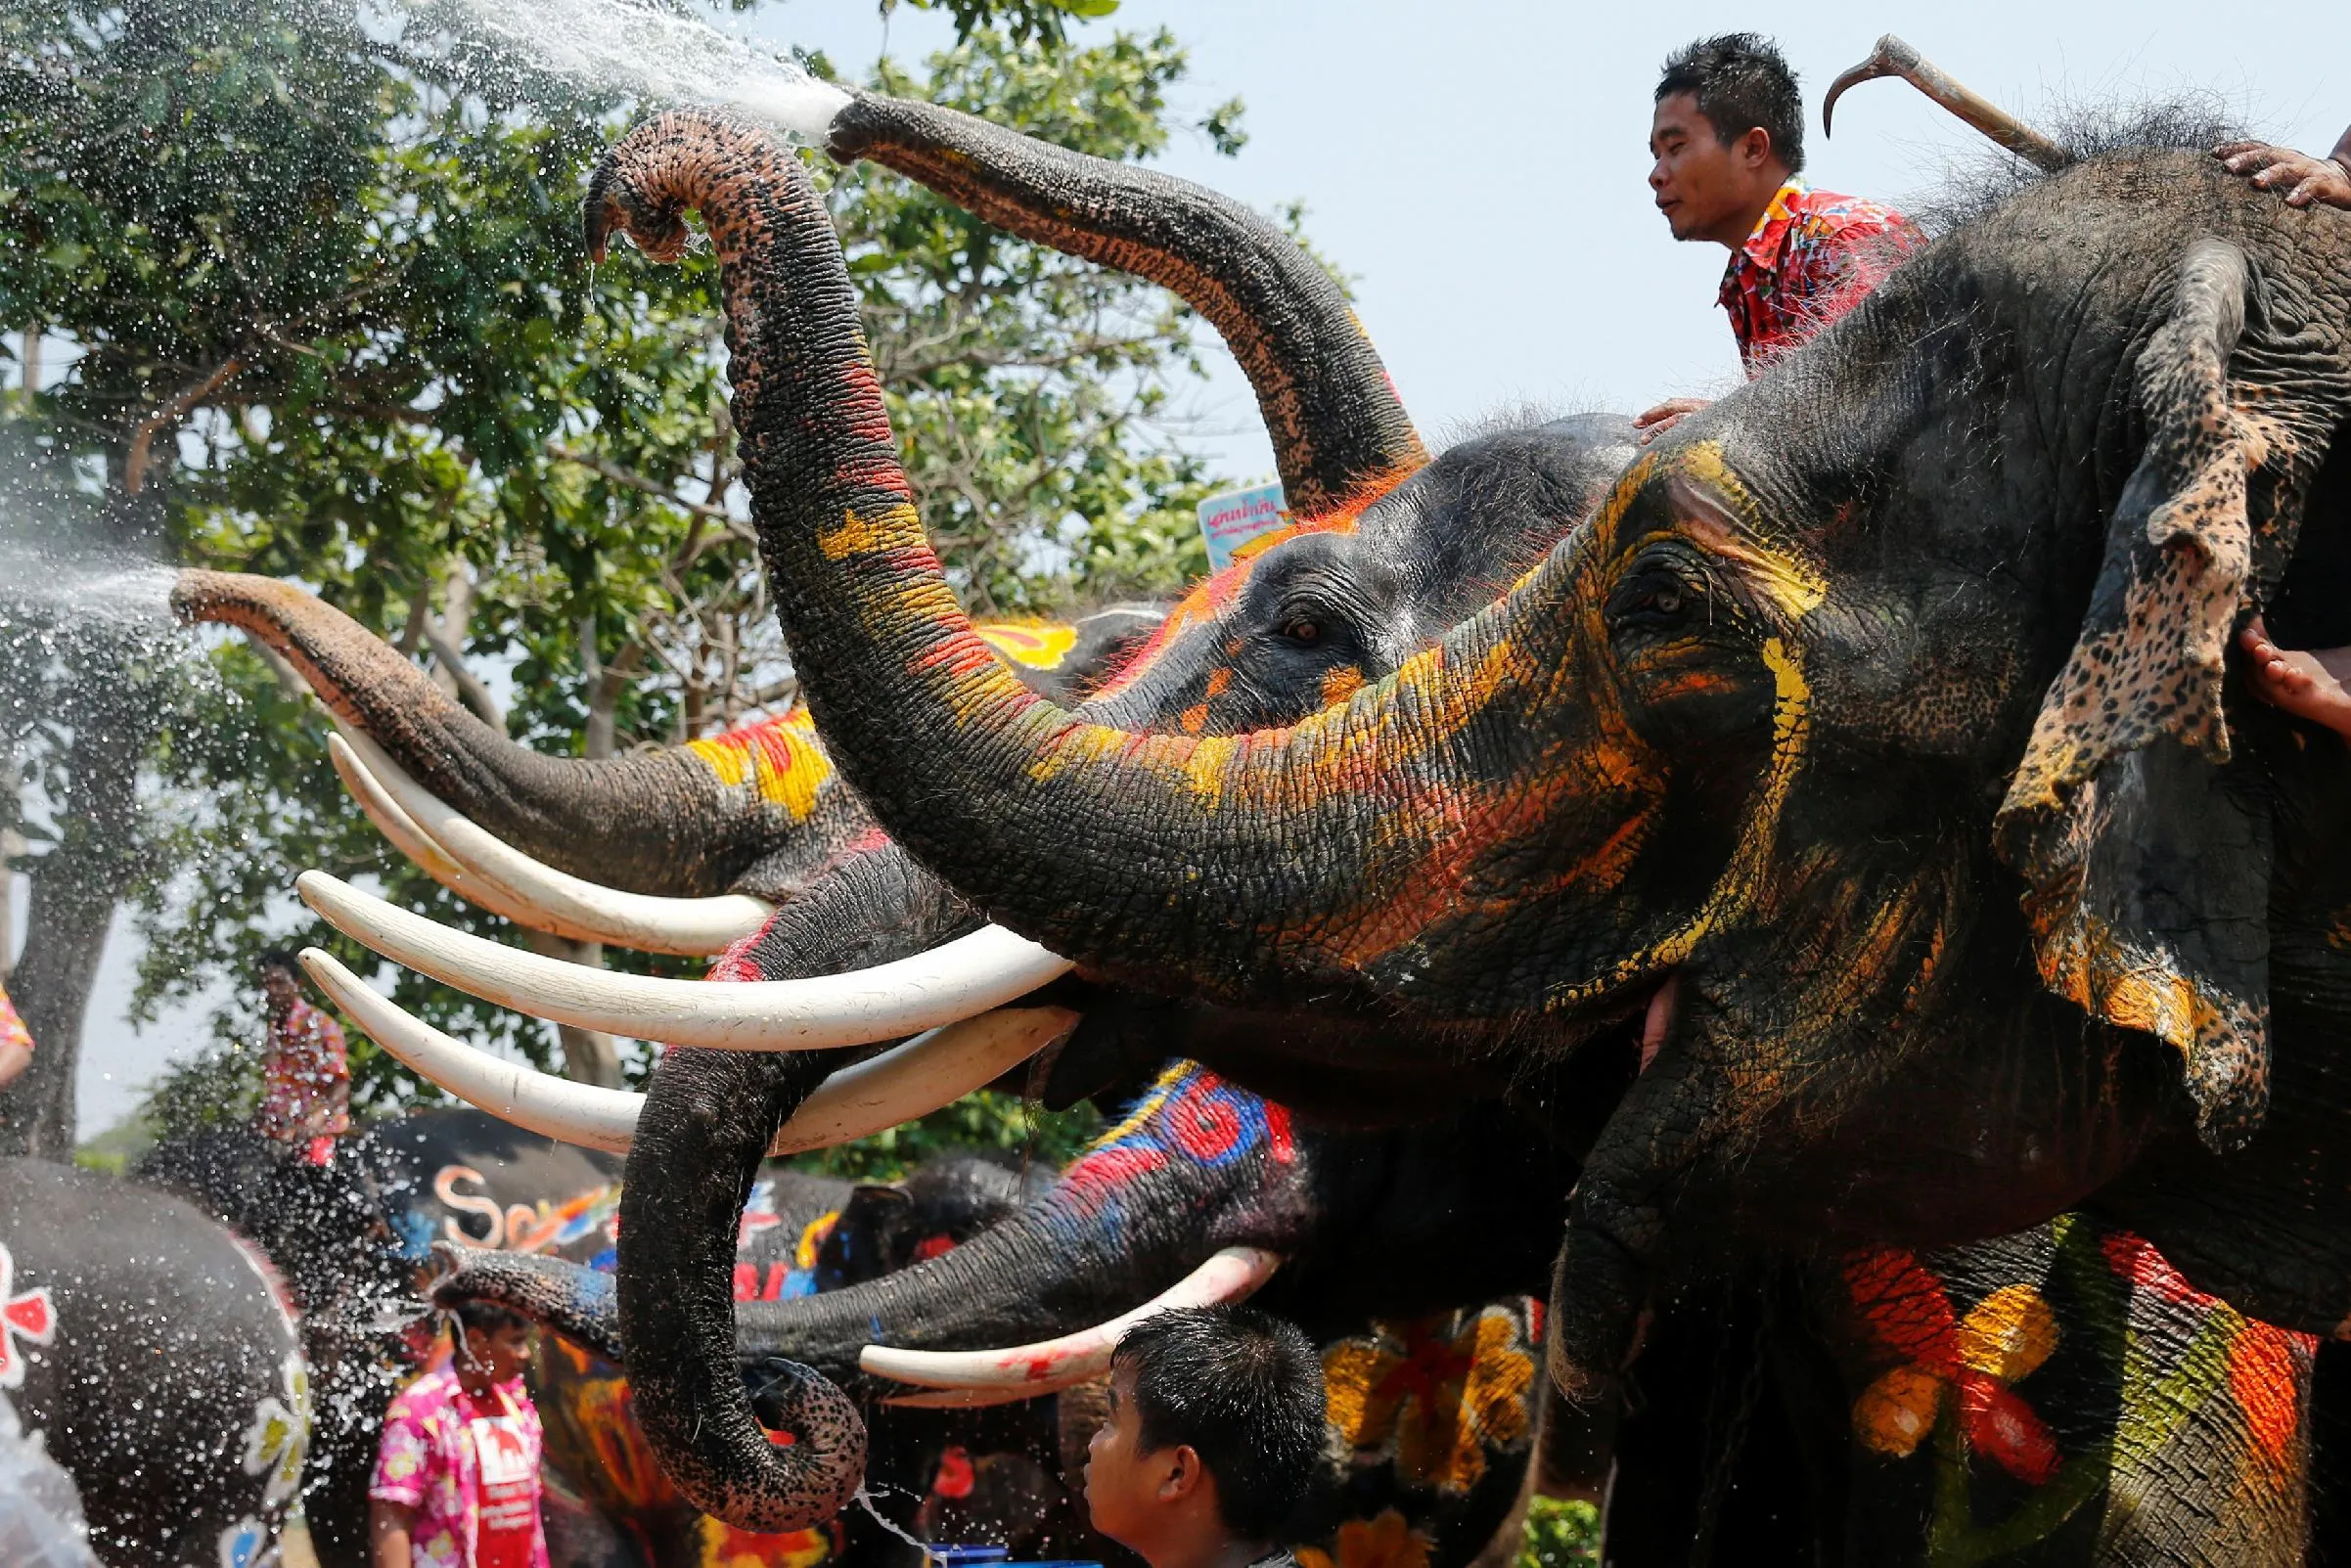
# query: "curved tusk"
[[951, 982], [535, 894], [897, 1086], [965, 1378], [515, 1092], [1894, 58], [405, 835]]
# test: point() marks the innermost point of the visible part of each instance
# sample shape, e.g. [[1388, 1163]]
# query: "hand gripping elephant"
[[1869, 735]]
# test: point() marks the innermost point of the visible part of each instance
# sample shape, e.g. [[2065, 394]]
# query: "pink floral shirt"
[[427, 1459], [306, 1077], [12, 1028]]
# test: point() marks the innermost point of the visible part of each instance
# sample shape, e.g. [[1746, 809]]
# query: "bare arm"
[[387, 1533], [13, 1059]]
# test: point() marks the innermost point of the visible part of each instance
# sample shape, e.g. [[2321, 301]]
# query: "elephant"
[[157, 1357], [1867, 745]]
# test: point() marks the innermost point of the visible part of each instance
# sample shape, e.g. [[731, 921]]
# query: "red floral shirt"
[[1814, 256], [305, 1075]]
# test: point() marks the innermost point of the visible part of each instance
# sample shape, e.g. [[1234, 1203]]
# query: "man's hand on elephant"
[[1666, 414], [2303, 178]]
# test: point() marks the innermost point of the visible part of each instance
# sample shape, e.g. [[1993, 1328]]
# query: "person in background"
[[2304, 179], [15, 1041], [305, 1071], [457, 1468], [1213, 1432], [1726, 144]]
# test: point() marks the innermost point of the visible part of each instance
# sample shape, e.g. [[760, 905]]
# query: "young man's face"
[[1123, 1484], [1708, 189], [504, 1351]]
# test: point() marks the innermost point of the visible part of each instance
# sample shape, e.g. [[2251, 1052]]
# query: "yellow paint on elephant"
[[2011, 1332], [1387, 1541], [1031, 644], [1442, 1391], [895, 527], [1743, 875], [779, 757], [722, 1545], [1790, 584], [812, 1238]]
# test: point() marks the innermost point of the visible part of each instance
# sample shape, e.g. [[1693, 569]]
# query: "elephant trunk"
[[1261, 866], [753, 813], [706, 1122], [1340, 436]]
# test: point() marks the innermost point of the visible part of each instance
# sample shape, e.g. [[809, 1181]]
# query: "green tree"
[[330, 321]]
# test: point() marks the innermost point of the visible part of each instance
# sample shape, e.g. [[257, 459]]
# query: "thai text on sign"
[[1232, 520]]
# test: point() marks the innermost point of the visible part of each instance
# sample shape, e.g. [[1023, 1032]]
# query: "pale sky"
[[1479, 166]]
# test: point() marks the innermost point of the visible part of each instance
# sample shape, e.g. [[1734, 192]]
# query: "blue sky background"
[[1478, 168]]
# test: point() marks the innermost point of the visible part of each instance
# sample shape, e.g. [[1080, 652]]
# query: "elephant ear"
[[2146, 867]]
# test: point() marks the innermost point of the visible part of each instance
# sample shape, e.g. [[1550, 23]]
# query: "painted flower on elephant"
[[1436, 1393], [1189, 1113], [1969, 1361], [280, 1437], [1387, 1542], [30, 1316]]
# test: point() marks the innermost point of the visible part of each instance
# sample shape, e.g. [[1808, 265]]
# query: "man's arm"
[[2303, 178], [387, 1533]]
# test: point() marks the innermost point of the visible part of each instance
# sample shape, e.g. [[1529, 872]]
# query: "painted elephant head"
[[1870, 733]]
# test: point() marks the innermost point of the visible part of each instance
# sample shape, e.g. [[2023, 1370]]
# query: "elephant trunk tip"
[[679, 159]]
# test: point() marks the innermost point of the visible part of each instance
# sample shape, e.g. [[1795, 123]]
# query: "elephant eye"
[[1304, 632], [1655, 599]]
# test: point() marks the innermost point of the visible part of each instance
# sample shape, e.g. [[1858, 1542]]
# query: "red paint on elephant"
[[2267, 1365]]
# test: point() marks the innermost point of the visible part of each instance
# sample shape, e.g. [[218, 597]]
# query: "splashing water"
[[132, 595], [640, 48]]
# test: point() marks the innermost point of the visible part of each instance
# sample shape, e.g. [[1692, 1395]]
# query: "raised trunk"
[[1340, 436], [687, 821], [1261, 866]]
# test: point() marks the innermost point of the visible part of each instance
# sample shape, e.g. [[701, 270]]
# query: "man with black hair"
[[1213, 1435], [1727, 141], [457, 1468]]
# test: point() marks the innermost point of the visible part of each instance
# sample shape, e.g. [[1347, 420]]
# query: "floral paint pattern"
[[1438, 1395]]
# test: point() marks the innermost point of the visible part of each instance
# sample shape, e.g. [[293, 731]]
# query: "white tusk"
[[965, 1378], [953, 981], [539, 1103], [535, 894], [403, 833], [897, 1086]]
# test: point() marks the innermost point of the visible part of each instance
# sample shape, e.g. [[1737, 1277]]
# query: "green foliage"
[[1560, 1533], [986, 1120], [333, 324]]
